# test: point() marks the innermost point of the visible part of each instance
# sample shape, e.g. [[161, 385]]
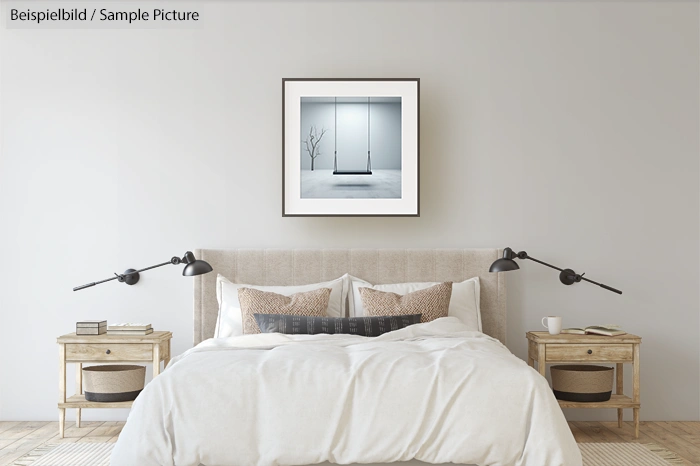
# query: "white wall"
[[568, 129], [385, 135]]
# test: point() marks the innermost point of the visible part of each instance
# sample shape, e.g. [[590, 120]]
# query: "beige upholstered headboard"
[[304, 266]]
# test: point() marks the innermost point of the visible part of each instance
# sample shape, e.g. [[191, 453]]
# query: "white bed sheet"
[[433, 392]]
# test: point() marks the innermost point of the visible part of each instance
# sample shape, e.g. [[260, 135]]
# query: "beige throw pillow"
[[432, 303], [308, 303]]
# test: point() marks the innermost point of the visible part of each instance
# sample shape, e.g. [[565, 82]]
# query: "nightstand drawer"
[[589, 353], [98, 352]]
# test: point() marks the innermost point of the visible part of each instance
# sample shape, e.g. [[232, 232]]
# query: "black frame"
[[417, 81]]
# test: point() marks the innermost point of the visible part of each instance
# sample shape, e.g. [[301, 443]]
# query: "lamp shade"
[[503, 265], [197, 267]]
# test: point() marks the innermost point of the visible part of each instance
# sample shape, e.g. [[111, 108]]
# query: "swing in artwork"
[[368, 171], [351, 147]]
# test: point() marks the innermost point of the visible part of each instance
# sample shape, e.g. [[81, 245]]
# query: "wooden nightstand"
[[567, 348], [101, 349]]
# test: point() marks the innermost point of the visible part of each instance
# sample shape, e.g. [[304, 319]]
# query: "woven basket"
[[582, 383], [113, 383]]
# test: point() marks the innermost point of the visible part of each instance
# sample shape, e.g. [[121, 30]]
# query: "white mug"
[[553, 324]]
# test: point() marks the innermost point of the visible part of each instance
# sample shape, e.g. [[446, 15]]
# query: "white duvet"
[[435, 392]]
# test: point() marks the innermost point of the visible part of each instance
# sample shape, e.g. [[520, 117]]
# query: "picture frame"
[[350, 147]]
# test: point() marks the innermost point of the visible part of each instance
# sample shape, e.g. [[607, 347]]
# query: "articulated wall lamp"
[[566, 276], [131, 276]]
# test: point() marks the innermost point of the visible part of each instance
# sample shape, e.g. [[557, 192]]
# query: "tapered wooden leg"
[[541, 358], [619, 373], [61, 388], [78, 390], [635, 389], [61, 421], [166, 361], [61, 373], [156, 359]]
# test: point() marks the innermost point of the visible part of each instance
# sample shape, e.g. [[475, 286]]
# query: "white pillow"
[[230, 323], [464, 303]]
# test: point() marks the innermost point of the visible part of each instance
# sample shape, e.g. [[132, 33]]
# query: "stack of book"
[[91, 327], [607, 330], [129, 329]]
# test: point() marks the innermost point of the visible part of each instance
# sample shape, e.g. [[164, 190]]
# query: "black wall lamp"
[[566, 276], [131, 276]]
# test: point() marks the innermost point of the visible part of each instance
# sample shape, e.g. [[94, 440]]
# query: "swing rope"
[[369, 160], [335, 134], [335, 142]]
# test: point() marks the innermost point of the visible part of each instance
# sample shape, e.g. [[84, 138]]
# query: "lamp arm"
[[574, 276], [155, 266], [175, 260], [88, 285], [540, 262], [609, 288]]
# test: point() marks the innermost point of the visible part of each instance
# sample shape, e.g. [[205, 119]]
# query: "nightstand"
[[567, 348], [104, 349]]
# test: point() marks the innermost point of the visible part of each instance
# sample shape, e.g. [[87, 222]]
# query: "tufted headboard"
[[303, 266]]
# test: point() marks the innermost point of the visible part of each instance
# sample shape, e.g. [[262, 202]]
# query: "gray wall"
[[569, 129], [385, 134]]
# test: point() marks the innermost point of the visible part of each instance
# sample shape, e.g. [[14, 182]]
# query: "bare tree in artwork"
[[312, 142]]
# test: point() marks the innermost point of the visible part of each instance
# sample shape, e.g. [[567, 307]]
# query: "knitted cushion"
[[308, 303], [432, 303]]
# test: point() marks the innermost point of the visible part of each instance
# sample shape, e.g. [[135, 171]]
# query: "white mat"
[[74, 454], [622, 454], [594, 454]]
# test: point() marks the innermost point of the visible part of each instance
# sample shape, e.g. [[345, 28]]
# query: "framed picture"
[[350, 147]]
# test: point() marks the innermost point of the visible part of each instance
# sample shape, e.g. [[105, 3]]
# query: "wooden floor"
[[19, 438], [683, 438]]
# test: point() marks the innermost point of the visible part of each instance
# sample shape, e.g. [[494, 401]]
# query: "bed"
[[435, 393]]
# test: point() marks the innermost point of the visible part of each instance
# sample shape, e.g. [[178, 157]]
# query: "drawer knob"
[[110, 351], [590, 351]]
